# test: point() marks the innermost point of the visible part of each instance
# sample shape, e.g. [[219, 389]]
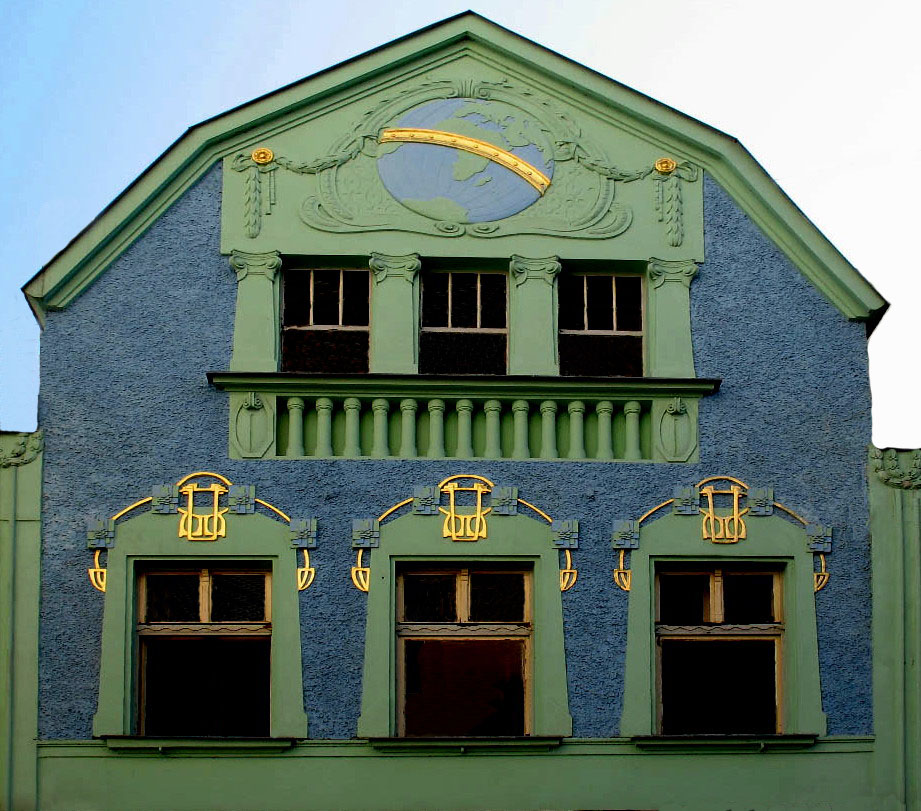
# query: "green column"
[[532, 336], [20, 548], [669, 350], [256, 323], [395, 314]]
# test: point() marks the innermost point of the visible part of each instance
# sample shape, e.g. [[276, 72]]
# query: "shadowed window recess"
[[464, 323], [464, 637], [601, 325], [719, 634], [325, 318], [204, 642]]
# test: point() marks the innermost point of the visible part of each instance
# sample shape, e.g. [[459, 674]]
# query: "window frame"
[[710, 629], [772, 542], [614, 276], [455, 631], [150, 540], [417, 539]]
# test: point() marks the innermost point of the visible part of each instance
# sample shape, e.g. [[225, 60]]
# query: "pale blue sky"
[[823, 93]]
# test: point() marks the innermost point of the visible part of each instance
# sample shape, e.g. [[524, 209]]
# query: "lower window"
[[464, 646], [204, 639], [719, 635]]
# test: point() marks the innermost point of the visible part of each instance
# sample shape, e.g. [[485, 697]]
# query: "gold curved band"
[[523, 169]]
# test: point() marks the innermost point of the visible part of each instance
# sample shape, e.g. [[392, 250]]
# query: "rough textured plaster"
[[125, 405]]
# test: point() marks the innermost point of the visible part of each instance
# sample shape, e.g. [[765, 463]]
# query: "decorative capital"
[[761, 501], [100, 534], [504, 500], [164, 499], [385, 266], [366, 533], [303, 532], [241, 498], [662, 270], [426, 500], [257, 264], [626, 535], [24, 451], [819, 538], [686, 501], [524, 269], [565, 534]]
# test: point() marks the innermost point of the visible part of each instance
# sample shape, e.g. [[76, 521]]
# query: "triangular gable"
[[647, 122]]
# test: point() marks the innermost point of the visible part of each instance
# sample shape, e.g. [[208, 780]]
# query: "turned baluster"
[[548, 430], [295, 427]]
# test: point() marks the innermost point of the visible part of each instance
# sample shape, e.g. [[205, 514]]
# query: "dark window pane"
[[496, 597], [462, 353], [601, 355], [326, 297], [572, 302], [172, 597], [238, 598], [435, 300], [718, 688], [629, 303], [492, 300], [464, 688], [208, 687], [600, 302], [683, 598], [297, 298], [748, 598], [429, 598], [355, 298], [320, 351], [463, 299]]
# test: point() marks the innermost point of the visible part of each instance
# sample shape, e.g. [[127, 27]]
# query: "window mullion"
[[204, 596], [716, 596], [614, 303], [463, 595], [341, 293]]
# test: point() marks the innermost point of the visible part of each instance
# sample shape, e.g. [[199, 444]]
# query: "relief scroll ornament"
[[547, 178]]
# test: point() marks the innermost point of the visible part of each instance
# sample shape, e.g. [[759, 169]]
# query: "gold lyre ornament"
[[723, 528], [202, 526], [465, 526]]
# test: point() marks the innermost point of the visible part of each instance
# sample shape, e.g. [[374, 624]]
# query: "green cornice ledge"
[[697, 744], [296, 384], [730, 164], [211, 746]]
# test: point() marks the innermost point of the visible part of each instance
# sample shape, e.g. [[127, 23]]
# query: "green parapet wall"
[[20, 551], [895, 523]]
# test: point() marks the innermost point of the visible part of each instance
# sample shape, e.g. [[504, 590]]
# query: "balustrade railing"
[[412, 417]]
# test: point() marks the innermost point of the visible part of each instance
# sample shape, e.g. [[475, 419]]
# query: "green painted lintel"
[[289, 384]]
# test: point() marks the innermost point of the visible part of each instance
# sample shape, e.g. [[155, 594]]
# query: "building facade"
[[456, 428]]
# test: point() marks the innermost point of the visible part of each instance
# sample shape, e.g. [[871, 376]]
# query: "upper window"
[[464, 323], [719, 633], [601, 325], [325, 320], [214, 625], [464, 637]]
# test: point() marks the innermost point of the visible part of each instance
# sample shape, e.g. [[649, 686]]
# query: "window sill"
[[164, 746], [724, 743], [463, 746]]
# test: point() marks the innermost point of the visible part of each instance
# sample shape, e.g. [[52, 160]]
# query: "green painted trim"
[[85, 257], [171, 746], [394, 330], [532, 316], [510, 538], [895, 523], [669, 347], [464, 746], [685, 744], [256, 330], [771, 539], [152, 537], [20, 579], [292, 385]]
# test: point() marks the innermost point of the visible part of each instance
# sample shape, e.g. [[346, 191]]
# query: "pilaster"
[[394, 334], [669, 350], [256, 323], [532, 329]]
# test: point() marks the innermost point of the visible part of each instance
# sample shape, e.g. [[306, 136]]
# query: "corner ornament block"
[[201, 500], [466, 522], [724, 504]]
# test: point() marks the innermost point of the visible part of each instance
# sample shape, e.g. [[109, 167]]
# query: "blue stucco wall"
[[125, 404]]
